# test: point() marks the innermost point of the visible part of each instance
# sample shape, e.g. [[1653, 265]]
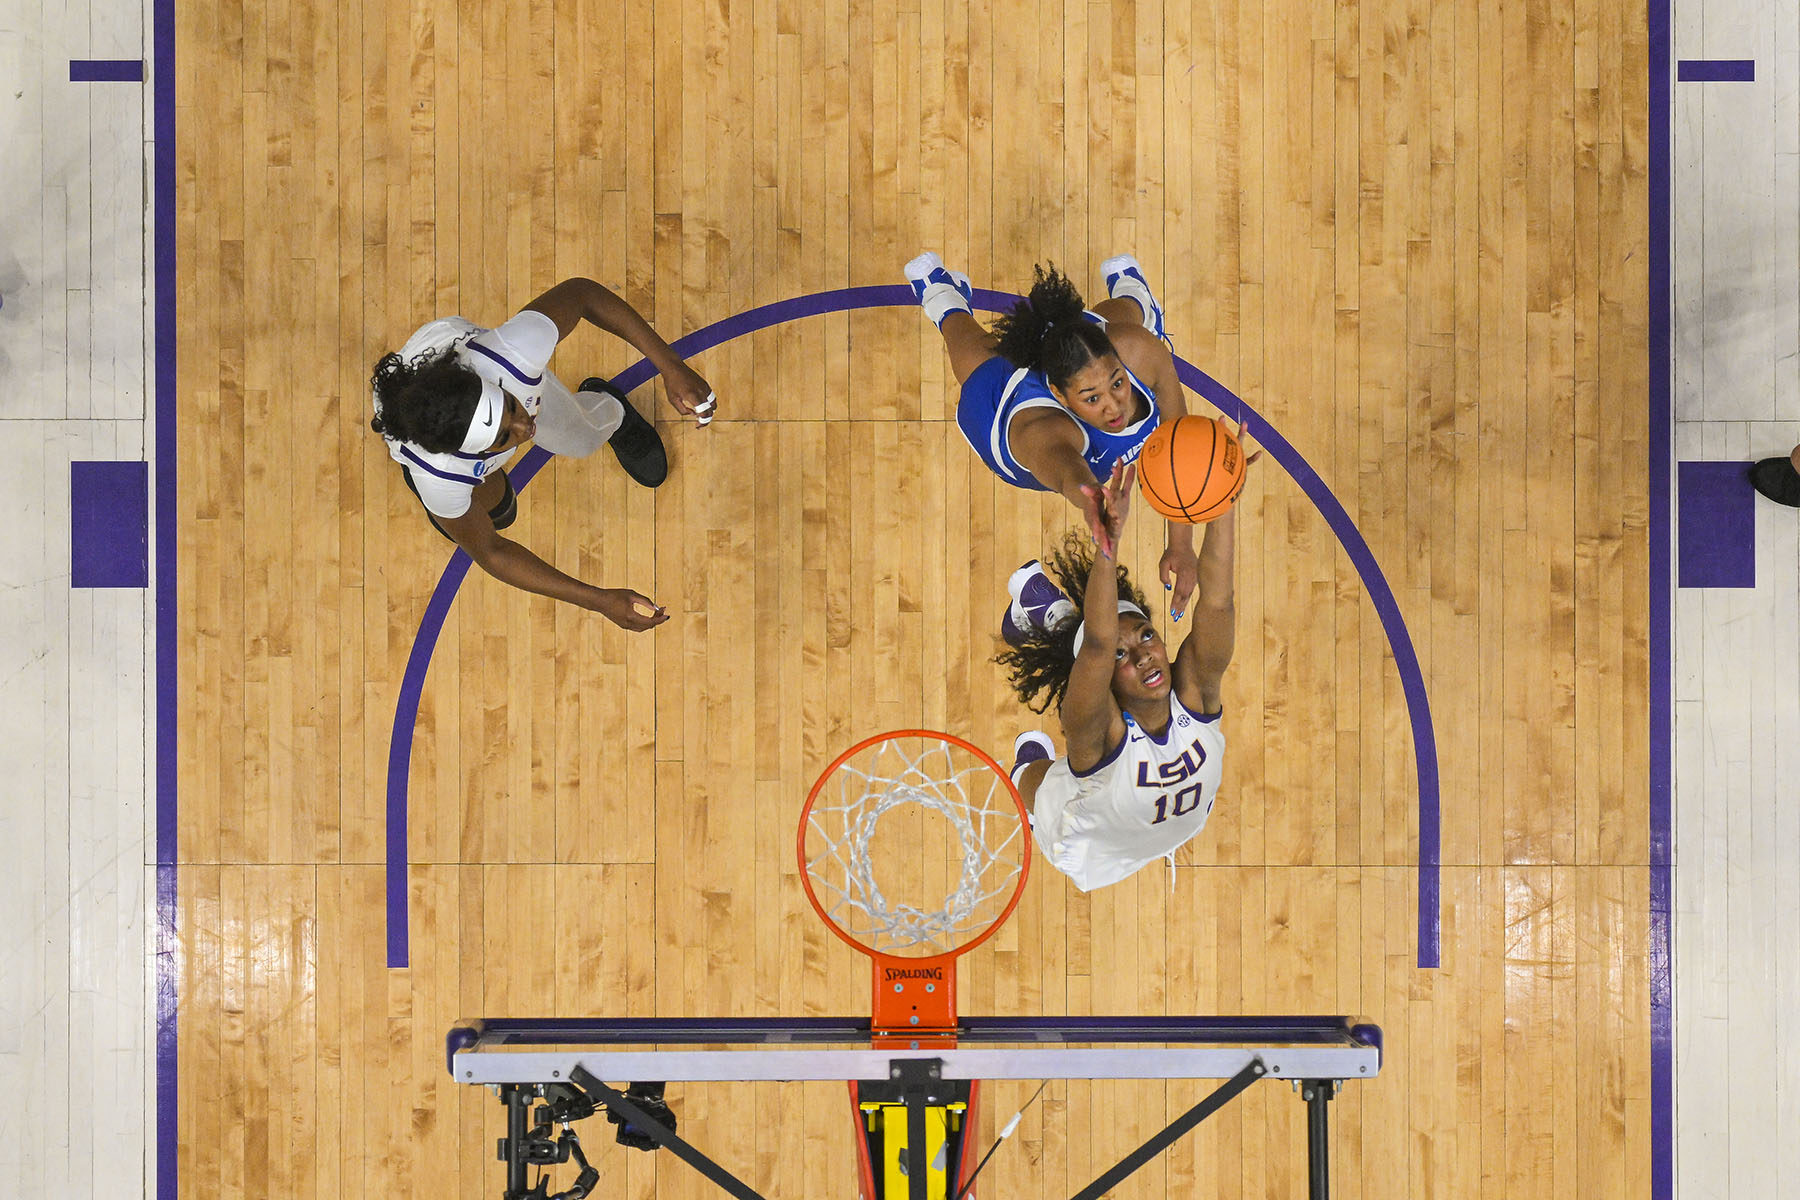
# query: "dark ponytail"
[[1047, 332], [428, 401], [1041, 666]]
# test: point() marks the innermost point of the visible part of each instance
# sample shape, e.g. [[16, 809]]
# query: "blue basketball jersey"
[[997, 392]]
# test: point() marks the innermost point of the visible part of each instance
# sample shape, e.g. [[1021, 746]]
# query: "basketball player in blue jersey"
[[1144, 750], [457, 401], [1056, 395]]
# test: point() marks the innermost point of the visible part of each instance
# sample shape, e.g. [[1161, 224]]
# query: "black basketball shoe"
[[1777, 479], [635, 442]]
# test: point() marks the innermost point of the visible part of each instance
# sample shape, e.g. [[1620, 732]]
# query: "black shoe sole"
[[635, 442]]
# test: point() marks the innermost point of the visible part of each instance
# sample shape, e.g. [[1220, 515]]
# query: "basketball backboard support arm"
[[1317, 1053], [662, 1135]]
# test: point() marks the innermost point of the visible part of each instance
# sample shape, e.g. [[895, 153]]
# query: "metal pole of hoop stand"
[[1317, 1093], [518, 1123]]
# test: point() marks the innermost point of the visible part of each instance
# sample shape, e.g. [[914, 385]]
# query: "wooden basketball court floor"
[[1404, 234], [1409, 236]]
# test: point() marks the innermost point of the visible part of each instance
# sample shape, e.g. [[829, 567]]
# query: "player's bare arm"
[[1047, 443], [1147, 358], [509, 562], [1091, 720], [579, 299], [1200, 664]]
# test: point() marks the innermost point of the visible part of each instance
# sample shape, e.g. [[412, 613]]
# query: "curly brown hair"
[[427, 401], [1040, 667]]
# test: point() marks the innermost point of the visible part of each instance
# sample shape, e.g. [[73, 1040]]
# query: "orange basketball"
[[1191, 469]]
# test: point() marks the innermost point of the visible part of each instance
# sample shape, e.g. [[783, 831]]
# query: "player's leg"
[[969, 344], [1120, 311], [1032, 755], [1129, 298], [945, 295]]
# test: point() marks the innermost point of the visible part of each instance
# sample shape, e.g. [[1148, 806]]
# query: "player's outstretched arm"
[[1047, 444], [1145, 355], [509, 562], [1200, 664], [1091, 721], [575, 300]]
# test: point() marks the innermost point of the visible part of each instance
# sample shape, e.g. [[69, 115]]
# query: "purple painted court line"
[[1662, 712], [1716, 70], [168, 945], [1716, 526], [1406, 659], [106, 70], [399, 950], [109, 524]]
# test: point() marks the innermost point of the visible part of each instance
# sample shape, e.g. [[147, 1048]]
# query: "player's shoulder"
[[1045, 425], [524, 340]]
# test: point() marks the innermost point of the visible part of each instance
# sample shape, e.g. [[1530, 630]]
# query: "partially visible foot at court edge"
[[1777, 479]]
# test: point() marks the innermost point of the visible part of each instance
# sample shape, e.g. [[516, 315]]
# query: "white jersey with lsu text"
[[1140, 803], [516, 356]]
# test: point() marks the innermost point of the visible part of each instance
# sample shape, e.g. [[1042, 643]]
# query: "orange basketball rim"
[[914, 848]]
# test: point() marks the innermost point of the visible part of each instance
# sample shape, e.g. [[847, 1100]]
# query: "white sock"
[[1125, 285], [940, 300]]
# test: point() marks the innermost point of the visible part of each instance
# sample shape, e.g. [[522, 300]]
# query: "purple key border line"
[[1661, 715], [1406, 660], [167, 712]]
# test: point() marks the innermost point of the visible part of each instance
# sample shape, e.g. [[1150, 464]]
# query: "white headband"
[[484, 426], [1125, 606]]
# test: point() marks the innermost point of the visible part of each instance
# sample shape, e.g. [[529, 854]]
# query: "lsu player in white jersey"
[[1143, 747], [457, 400]]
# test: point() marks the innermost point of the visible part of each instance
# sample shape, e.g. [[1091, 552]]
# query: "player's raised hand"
[[628, 609], [1180, 570], [1107, 507], [1240, 439]]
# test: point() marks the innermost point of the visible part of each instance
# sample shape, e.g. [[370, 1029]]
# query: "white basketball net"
[[982, 846]]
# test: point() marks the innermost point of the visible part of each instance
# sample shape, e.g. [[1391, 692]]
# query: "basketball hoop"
[[894, 821]]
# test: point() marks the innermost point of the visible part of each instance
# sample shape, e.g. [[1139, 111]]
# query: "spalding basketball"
[[1191, 469]]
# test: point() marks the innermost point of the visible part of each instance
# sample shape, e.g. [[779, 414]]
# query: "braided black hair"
[[1041, 666], [428, 401], [1047, 332]]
